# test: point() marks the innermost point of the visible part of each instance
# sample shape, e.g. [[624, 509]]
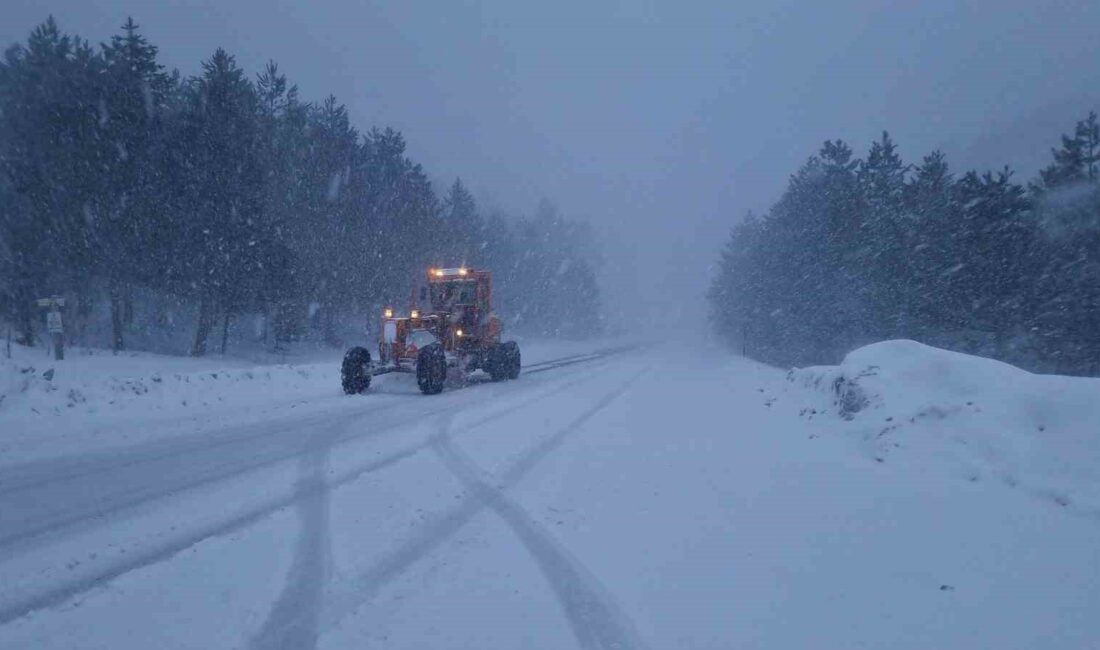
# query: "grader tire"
[[431, 369], [504, 361], [355, 371], [496, 364], [511, 359]]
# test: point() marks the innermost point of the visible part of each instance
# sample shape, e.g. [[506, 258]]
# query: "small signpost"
[[54, 323]]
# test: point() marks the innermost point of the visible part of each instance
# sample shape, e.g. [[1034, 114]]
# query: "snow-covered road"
[[649, 498]]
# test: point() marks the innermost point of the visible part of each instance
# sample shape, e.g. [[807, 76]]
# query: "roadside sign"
[[53, 322]]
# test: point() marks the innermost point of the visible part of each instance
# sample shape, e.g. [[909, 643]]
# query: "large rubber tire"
[[512, 359], [431, 369], [494, 363], [355, 371], [503, 361]]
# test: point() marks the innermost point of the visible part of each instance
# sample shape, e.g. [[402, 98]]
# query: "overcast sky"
[[663, 120]]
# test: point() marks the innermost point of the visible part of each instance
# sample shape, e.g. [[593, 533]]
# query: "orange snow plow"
[[450, 329]]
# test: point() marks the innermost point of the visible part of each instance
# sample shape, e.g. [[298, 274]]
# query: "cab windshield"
[[447, 295]]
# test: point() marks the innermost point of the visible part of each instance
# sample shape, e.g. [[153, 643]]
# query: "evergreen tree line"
[[156, 202], [863, 250]]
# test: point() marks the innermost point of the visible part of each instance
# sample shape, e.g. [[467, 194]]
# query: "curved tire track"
[[13, 607], [596, 620], [579, 588]]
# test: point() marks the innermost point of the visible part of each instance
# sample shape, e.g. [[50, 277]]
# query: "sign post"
[[54, 323]]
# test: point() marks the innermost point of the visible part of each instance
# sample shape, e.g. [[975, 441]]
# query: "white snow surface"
[[655, 498], [979, 418], [93, 399]]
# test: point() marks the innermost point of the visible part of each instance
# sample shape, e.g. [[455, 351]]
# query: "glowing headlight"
[[414, 313], [438, 273], [458, 332], [463, 271], [388, 313]]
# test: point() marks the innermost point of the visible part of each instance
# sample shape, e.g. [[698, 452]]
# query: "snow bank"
[[94, 399], [980, 417], [58, 389]]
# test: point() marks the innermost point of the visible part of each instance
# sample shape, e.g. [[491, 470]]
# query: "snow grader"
[[456, 332]]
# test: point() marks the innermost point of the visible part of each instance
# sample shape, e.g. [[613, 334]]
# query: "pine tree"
[[224, 214], [934, 254], [737, 293], [463, 221], [51, 156], [995, 238], [1066, 294], [136, 88], [283, 145], [886, 277], [1078, 159], [1088, 134]]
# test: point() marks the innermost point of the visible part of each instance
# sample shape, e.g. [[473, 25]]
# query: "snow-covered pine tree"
[[883, 267], [135, 90]]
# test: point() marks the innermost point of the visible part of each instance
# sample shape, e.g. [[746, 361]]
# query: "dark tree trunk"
[[268, 312], [160, 315], [225, 331], [281, 327], [202, 332], [128, 306], [117, 326], [328, 326], [84, 308], [24, 317]]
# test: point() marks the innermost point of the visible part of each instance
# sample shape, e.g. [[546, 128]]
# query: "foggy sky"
[[666, 120]]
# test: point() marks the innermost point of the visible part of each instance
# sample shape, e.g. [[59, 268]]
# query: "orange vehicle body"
[[455, 307], [450, 331]]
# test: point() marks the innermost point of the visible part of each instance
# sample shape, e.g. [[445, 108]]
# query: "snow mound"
[[48, 390], [94, 398], [981, 417]]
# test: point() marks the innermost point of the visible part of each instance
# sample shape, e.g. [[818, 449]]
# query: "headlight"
[[458, 332], [414, 313], [388, 313], [438, 273], [463, 271]]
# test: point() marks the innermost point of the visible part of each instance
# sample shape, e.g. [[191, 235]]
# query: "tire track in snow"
[[595, 618], [59, 593], [445, 525], [17, 606], [292, 622], [173, 478], [98, 502]]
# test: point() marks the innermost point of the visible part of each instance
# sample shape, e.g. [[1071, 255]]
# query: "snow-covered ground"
[[975, 418], [95, 400], [655, 498]]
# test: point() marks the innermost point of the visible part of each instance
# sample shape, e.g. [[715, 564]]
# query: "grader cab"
[[450, 327]]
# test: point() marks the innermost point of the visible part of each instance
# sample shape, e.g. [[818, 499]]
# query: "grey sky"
[[668, 118]]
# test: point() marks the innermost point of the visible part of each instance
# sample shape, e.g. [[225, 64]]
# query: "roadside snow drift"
[[94, 399], [981, 417]]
